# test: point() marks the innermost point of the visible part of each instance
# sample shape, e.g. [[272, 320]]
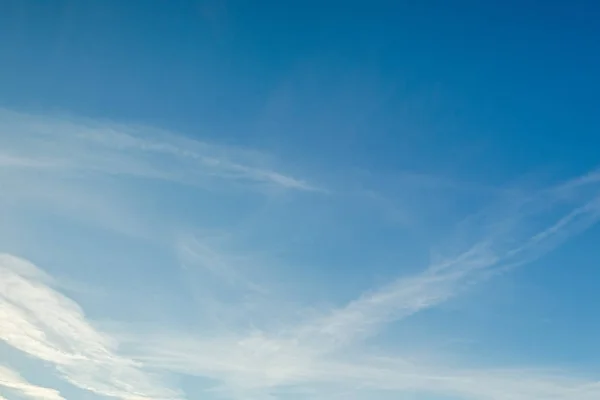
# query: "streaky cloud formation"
[[236, 200], [444, 279], [325, 350], [44, 324], [272, 349], [13, 381], [81, 144], [86, 170]]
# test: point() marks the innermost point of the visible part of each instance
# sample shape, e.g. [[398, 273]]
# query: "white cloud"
[[476, 384], [44, 324], [9, 160], [13, 381], [94, 172], [525, 240], [80, 145], [325, 351], [321, 355], [261, 366]]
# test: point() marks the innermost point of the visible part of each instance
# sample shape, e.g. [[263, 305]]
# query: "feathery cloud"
[[13, 381], [44, 324], [326, 351], [323, 354], [136, 151]]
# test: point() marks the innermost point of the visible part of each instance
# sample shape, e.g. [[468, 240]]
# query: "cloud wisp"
[[449, 277], [100, 172], [136, 151], [14, 382], [46, 325]]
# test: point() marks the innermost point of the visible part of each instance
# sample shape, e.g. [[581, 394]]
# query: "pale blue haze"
[[248, 200]]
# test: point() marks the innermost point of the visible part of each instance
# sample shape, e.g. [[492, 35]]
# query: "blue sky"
[[299, 200]]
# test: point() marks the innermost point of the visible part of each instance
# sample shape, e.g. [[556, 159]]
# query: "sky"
[[289, 200]]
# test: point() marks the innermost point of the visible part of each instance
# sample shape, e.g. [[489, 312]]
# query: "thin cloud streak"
[[443, 280], [13, 381], [204, 252], [136, 151], [476, 384]]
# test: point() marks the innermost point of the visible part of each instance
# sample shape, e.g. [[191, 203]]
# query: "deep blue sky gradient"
[[376, 84], [410, 99]]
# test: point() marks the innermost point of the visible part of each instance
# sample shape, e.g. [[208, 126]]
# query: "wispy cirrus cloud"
[[95, 171], [326, 351], [259, 367], [446, 278], [136, 151], [322, 355], [14, 382], [46, 325], [261, 351], [202, 251], [8, 160]]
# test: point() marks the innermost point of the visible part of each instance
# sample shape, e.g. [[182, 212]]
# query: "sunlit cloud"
[[13, 381], [43, 323]]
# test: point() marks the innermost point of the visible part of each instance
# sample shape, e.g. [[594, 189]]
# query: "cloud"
[[101, 173], [44, 324], [8, 160], [477, 384], [325, 352], [13, 381], [258, 367], [261, 351], [443, 280], [536, 229], [205, 252], [135, 151]]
